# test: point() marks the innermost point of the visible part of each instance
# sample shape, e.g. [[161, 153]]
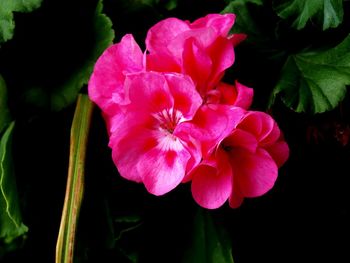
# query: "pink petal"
[[267, 132], [162, 63], [240, 139], [221, 23], [212, 184], [109, 72], [244, 96], [223, 57], [262, 126], [255, 173], [184, 132], [228, 93], [212, 123], [186, 98], [148, 92], [272, 133], [197, 64], [235, 200], [163, 168], [252, 123], [148, 95], [213, 97], [204, 37], [238, 95], [122, 124], [162, 33], [114, 123], [279, 151], [236, 39], [151, 93], [130, 149]]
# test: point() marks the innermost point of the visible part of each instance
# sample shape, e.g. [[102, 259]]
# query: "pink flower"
[[221, 109], [171, 119], [202, 49], [238, 95], [106, 84], [243, 164], [149, 142]]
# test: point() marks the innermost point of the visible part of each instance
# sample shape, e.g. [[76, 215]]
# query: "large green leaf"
[[7, 7], [210, 242], [10, 221], [11, 226], [104, 35], [4, 112], [328, 13], [315, 81]]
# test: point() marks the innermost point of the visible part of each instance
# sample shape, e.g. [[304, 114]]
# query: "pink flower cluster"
[[171, 119]]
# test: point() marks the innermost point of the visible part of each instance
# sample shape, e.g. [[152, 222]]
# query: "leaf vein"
[[1, 181]]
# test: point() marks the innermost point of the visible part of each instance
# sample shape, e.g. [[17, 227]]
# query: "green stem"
[[75, 180]]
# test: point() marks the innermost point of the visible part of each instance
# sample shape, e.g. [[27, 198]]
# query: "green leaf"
[[104, 35], [128, 225], [329, 13], [210, 242], [244, 23], [7, 7], [251, 20], [147, 2], [315, 81], [140, 5], [5, 117], [11, 226], [171, 4]]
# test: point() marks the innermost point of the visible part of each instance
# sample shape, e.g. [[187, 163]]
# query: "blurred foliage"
[[5, 116], [211, 243]]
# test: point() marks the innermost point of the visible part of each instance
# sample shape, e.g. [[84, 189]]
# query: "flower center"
[[227, 148], [168, 119]]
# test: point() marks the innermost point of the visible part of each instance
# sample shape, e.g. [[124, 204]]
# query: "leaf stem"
[[75, 180]]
